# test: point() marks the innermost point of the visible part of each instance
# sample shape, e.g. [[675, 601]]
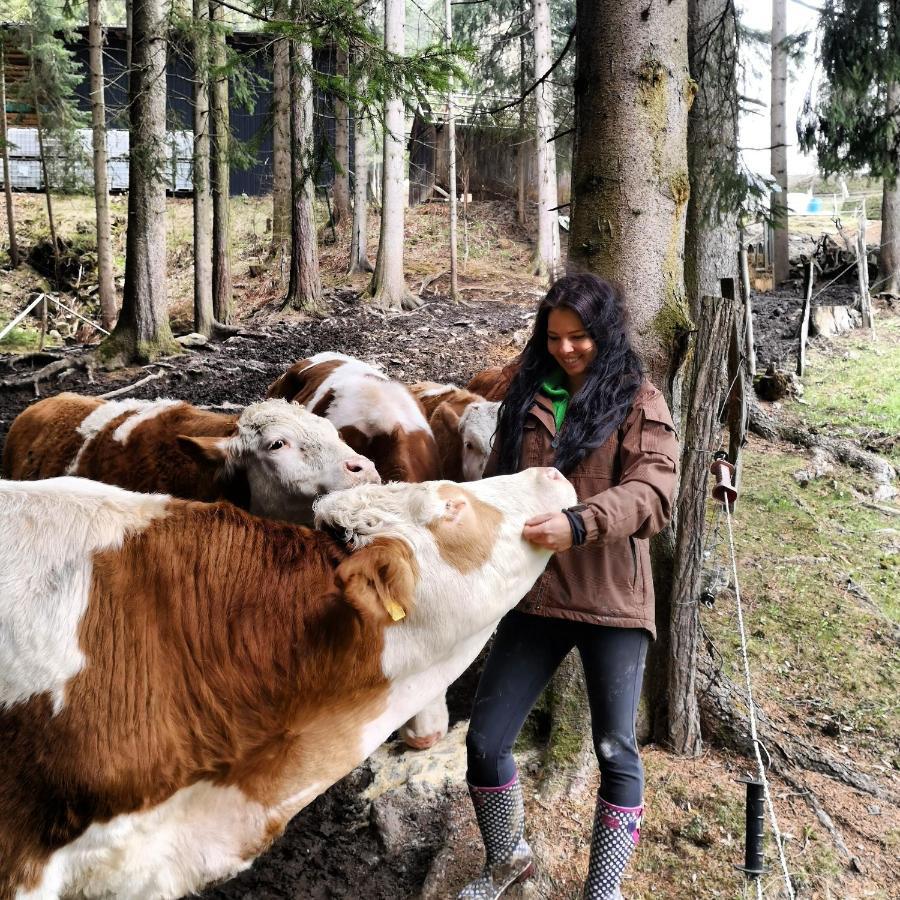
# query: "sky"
[[754, 126]]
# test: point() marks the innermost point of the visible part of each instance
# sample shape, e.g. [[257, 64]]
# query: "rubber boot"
[[500, 813], [617, 830]]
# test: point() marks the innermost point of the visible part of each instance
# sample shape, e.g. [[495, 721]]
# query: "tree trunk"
[[53, 239], [700, 422], [340, 208], [451, 155], [521, 151], [101, 182], [219, 117], [889, 259], [203, 218], [711, 233], [781, 262], [547, 259], [7, 186], [305, 288], [630, 190], [388, 284], [142, 332], [281, 152], [359, 257]]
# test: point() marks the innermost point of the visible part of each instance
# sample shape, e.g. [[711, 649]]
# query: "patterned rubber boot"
[[617, 830], [500, 813]]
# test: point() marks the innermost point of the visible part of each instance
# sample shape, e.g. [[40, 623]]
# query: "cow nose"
[[554, 474], [362, 467]]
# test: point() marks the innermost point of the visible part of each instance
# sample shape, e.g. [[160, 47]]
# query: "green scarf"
[[558, 395]]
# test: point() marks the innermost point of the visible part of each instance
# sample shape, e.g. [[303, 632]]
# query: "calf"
[[463, 425], [273, 459], [493, 382], [376, 416], [177, 679]]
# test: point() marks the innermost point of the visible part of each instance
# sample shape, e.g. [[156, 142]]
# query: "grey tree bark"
[[305, 288], [451, 153], [388, 288], [630, 190], [101, 181], [889, 258], [359, 255], [219, 116], [547, 258], [781, 260], [203, 218], [521, 147], [340, 207], [7, 186], [142, 332], [281, 153]]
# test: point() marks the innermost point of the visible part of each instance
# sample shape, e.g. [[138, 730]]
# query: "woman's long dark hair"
[[612, 382]]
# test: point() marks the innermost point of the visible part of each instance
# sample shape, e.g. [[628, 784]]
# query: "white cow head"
[[476, 429], [472, 564], [290, 457]]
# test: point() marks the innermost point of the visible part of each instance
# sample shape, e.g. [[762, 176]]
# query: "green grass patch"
[[820, 580], [25, 339], [852, 388]]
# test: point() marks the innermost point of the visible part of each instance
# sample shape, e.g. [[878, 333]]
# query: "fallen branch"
[[430, 280], [60, 367], [128, 388]]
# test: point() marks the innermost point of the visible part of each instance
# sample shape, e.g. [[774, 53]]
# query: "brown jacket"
[[628, 485]]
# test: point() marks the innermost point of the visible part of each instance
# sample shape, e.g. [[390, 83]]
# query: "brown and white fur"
[[178, 679]]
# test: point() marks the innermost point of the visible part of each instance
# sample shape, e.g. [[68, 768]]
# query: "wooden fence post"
[[862, 268], [736, 413], [749, 349], [804, 319]]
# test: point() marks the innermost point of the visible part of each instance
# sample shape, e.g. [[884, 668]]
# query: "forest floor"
[[818, 566]]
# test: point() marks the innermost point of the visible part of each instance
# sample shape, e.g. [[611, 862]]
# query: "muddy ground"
[[343, 845]]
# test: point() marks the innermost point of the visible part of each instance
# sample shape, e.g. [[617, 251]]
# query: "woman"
[[578, 401]]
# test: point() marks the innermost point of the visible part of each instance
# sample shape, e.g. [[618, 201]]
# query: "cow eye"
[[468, 445], [276, 445]]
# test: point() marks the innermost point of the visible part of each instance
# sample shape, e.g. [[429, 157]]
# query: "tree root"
[[729, 726], [768, 427]]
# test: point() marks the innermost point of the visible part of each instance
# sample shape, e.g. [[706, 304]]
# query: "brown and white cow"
[[178, 679], [376, 416], [463, 425], [273, 459], [493, 382]]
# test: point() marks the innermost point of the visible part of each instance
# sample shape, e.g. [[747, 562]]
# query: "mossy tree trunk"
[[142, 332], [630, 190], [889, 256]]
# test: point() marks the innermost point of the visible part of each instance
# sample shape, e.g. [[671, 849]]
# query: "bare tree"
[[305, 287], [281, 149], [889, 256], [547, 259], [4, 147], [142, 332], [203, 216], [101, 181], [781, 259], [340, 209], [219, 116], [389, 288], [359, 257], [632, 94]]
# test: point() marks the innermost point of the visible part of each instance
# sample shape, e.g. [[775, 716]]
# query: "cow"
[[179, 679], [376, 416], [493, 382], [273, 459], [463, 425]]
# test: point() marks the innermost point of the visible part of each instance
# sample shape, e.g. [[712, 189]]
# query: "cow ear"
[[445, 427], [379, 580], [203, 450]]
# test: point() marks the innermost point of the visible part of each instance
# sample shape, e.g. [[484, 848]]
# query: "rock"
[[388, 823], [829, 320], [6, 287], [192, 340]]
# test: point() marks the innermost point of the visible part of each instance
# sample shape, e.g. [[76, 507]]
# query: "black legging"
[[527, 651]]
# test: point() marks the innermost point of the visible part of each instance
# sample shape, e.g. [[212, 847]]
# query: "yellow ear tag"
[[395, 610]]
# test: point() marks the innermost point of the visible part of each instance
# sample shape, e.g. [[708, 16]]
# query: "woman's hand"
[[549, 530]]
